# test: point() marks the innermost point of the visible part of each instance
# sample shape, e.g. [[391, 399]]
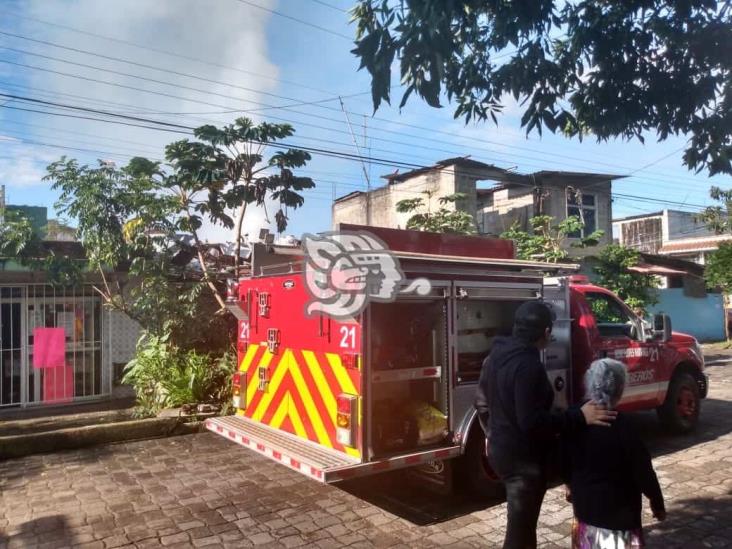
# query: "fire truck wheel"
[[680, 411], [474, 472]]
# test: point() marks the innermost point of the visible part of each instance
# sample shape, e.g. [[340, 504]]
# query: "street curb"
[[80, 437]]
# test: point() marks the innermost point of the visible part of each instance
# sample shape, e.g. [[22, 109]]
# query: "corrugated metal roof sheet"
[[702, 244], [655, 270]]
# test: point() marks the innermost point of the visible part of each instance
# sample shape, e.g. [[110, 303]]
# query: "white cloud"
[[225, 33], [22, 165], [254, 220], [21, 172]]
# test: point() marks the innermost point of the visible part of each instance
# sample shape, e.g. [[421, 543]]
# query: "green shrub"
[[165, 376]]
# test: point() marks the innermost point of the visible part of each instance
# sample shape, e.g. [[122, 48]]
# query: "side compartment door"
[[408, 374], [482, 311], [557, 355]]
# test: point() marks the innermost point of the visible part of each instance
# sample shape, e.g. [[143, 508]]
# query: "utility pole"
[[363, 165], [366, 143]]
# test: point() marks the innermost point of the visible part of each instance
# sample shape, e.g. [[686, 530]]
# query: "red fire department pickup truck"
[[393, 386]]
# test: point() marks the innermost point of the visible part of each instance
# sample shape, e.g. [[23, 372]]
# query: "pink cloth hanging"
[[49, 347], [58, 384]]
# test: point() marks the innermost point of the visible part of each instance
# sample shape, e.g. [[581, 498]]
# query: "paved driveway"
[[201, 490]]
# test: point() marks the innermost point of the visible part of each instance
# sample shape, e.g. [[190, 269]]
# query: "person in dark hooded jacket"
[[514, 403]]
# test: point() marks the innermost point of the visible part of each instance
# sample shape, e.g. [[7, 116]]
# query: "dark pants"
[[526, 484]]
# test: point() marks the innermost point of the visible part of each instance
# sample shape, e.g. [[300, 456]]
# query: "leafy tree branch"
[[445, 220], [638, 290], [582, 67], [548, 241]]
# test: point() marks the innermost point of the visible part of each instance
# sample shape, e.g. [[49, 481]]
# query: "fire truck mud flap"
[[316, 462]]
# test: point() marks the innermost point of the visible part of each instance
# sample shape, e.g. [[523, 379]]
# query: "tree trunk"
[[207, 278], [206, 275], [239, 223]]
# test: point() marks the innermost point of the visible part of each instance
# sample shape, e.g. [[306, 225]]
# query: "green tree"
[[718, 268], [606, 68], [444, 220], [546, 240], [138, 217], [718, 218], [20, 242], [228, 166], [128, 221], [638, 290]]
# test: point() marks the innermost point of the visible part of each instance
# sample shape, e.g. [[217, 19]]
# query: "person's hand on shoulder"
[[597, 414]]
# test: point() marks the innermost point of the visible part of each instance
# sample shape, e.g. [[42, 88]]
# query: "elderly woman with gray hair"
[[608, 470]]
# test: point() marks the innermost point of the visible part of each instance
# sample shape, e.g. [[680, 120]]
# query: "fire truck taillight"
[[238, 380], [232, 290], [346, 419], [350, 361]]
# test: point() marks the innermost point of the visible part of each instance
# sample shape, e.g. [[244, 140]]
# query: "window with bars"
[[583, 206]]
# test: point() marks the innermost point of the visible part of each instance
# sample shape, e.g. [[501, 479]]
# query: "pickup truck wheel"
[[680, 411], [475, 474]]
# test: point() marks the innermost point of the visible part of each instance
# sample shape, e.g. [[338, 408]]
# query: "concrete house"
[[512, 197], [673, 233], [58, 344]]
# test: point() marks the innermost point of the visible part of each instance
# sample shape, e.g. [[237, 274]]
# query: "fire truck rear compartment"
[[409, 366], [408, 342]]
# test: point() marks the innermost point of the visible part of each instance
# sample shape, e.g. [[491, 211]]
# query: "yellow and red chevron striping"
[[300, 395]]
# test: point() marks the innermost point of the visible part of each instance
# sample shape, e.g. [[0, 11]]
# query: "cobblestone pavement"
[[200, 490]]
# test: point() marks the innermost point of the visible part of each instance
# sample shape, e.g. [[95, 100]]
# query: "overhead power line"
[[495, 153], [162, 82], [78, 117], [183, 98], [159, 50], [658, 160], [107, 153], [297, 20], [296, 102], [93, 111], [301, 85], [138, 119], [331, 6], [325, 152]]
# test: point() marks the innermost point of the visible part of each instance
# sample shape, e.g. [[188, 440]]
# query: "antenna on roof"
[[363, 165]]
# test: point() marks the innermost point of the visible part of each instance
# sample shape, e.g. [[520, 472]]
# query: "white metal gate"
[[12, 348], [80, 369]]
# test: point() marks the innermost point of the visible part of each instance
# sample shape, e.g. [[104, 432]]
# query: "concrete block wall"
[[701, 317], [504, 207], [350, 210], [430, 187], [683, 225]]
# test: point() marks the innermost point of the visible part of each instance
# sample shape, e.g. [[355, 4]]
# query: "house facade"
[[672, 233], [378, 207], [556, 194], [513, 198], [58, 344], [682, 294]]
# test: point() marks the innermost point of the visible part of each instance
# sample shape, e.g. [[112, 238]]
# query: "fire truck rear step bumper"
[[314, 461]]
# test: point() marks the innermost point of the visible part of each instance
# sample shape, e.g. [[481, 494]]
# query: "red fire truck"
[[394, 386]]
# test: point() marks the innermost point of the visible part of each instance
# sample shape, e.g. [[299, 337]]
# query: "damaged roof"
[[462, 161]]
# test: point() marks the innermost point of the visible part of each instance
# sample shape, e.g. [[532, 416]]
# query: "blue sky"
[[268, 60]]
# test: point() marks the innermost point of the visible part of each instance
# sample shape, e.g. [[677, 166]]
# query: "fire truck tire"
[[680, 410], [474, 473]]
